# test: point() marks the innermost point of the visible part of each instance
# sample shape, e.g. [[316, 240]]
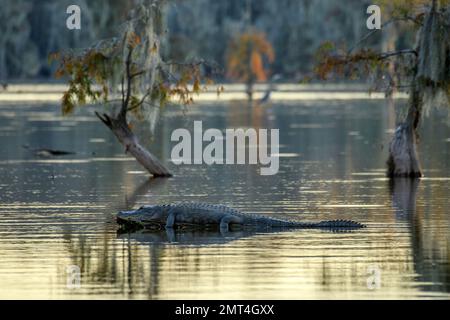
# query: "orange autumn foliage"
[[247, 55]]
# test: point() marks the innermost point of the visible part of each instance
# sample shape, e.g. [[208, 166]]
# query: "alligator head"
[[150, 217]]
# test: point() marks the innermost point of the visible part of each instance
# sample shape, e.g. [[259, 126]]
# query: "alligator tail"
[[331, 224], [338, 224]]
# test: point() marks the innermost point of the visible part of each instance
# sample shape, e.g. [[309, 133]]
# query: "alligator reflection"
[[190, 238]]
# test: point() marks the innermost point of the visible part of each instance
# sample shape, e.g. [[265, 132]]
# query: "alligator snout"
[[126, 213], [124, 216], [126, 221]]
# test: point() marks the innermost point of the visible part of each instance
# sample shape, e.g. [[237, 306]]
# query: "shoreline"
[[51, 92]]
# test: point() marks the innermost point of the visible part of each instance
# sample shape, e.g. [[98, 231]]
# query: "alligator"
[[213, 217], [47, 153]]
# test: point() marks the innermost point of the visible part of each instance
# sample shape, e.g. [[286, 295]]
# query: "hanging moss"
[[433, 75], [430, 88], [433, 50]]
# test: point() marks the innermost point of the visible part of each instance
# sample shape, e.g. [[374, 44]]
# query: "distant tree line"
[[31, 30]]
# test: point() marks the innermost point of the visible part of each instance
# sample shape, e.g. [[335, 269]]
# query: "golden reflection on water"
[[56, 213], [299, 265]]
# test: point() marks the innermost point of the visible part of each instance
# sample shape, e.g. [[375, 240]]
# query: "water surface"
[[59, 212]]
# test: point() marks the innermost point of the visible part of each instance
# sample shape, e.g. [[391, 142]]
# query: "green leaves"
[[88, 78], [67, 103]]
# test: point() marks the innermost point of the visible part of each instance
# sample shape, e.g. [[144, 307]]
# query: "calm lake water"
[[59, 212]]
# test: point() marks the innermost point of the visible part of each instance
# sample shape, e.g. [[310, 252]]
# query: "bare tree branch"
[[123, 111], [386, 55], [141, 102], [137, 74], [122, 88], [105, 119], [387, 23]]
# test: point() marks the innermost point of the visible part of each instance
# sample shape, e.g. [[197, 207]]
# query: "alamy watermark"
[[374, 277], [191, 150], [73, 22], [374, 21], [73, 277]]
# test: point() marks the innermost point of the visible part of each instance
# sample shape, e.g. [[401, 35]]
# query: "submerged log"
[[133, 147], [46, 153]]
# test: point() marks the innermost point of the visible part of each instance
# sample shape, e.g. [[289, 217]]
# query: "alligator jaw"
[[126, 225]]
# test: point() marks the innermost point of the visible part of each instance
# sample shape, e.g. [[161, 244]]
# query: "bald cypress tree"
[[424, 70], [128, 77]]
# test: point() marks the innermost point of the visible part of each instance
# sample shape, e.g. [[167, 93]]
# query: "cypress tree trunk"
[[403, 157], [431, 76], [132, 145], [249, 90]]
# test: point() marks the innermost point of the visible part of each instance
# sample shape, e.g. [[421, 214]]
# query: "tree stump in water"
[[403, 158]]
